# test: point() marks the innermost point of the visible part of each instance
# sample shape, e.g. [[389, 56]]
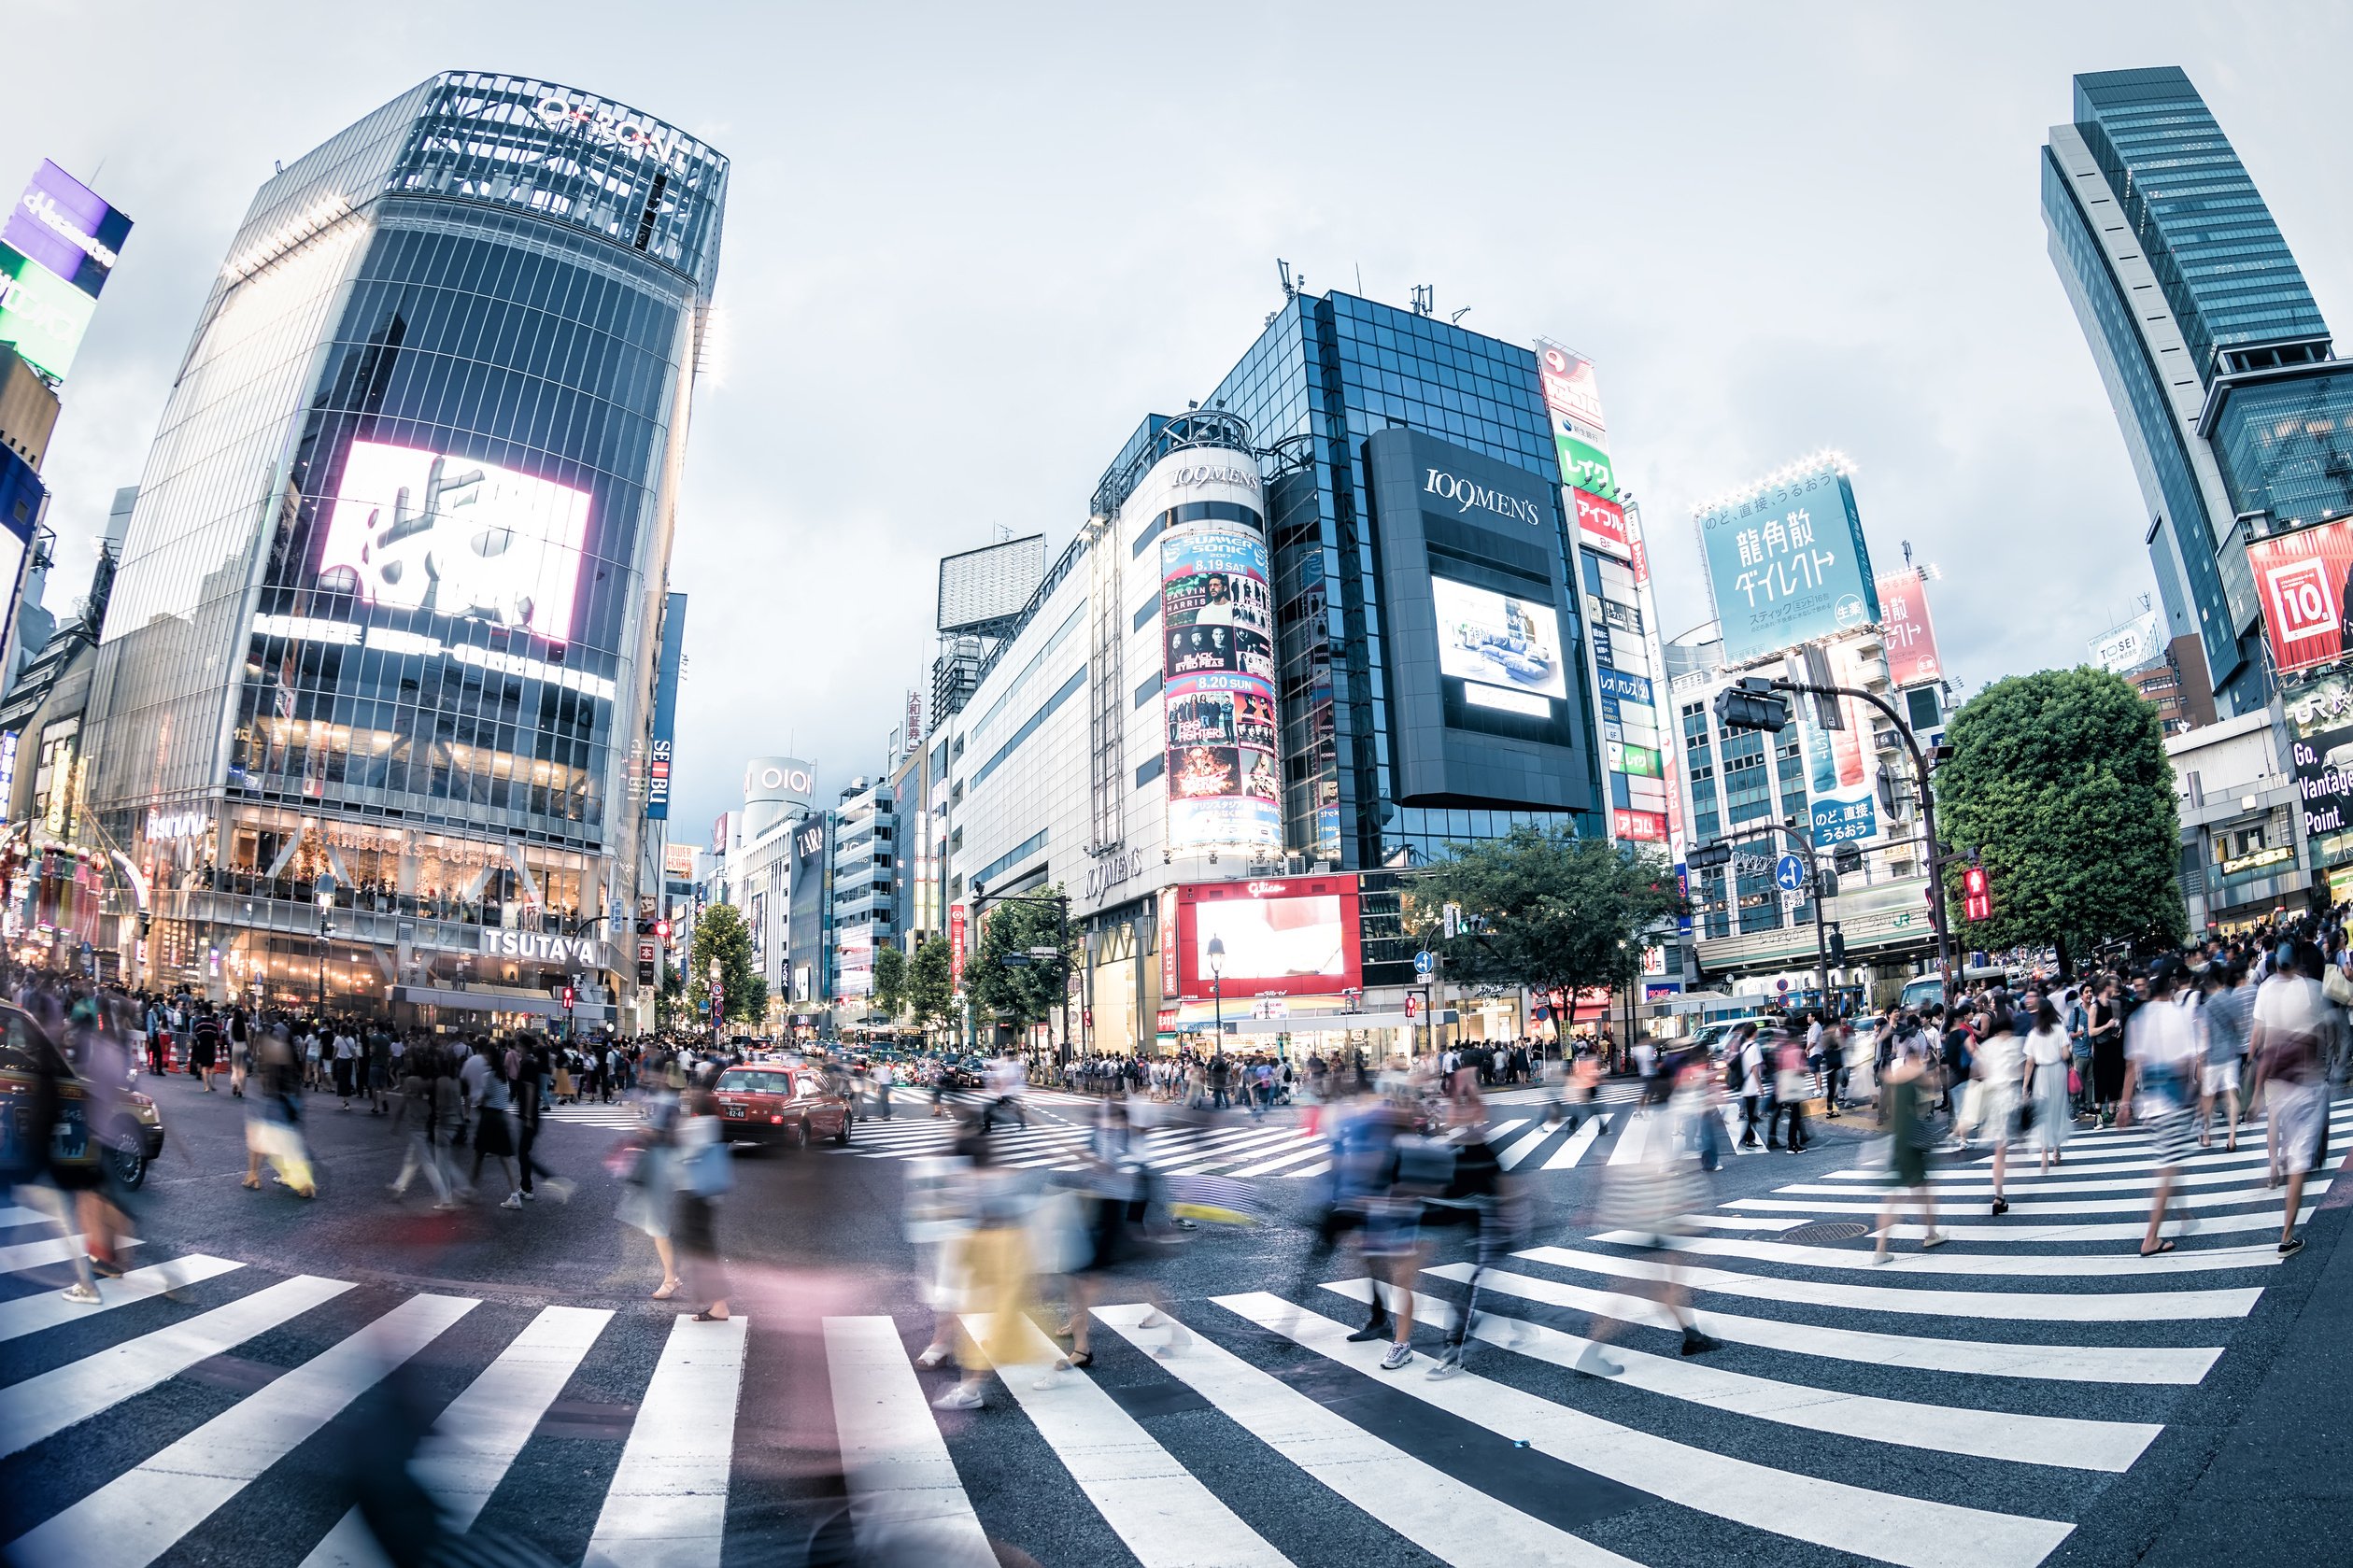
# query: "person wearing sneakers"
[[2160, 1073], [1651, 1198]]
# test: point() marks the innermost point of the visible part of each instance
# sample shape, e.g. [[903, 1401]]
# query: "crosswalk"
[[1962, 1408]]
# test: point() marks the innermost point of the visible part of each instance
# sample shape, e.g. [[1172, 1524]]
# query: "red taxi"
[[764, 1103]]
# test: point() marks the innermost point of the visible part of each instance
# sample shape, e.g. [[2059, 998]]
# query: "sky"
[[968, 247]]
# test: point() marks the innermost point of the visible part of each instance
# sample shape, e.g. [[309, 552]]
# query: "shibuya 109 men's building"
[[372, 700]]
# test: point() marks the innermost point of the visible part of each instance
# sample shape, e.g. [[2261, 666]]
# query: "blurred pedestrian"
[[2290, 1018], [2160, 1064], [273, 1120], [2049, 1058], [1904, 1089]]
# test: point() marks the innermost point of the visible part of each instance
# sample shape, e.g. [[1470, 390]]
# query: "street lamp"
[[1216, 950]]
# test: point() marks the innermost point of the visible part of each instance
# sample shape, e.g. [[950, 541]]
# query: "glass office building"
[[374, 692], [2236, 411]]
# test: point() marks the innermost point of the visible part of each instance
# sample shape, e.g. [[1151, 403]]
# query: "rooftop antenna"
[[1282, 270], [1424, 298], [1456, 316], [1360, 280], [1907, 552]]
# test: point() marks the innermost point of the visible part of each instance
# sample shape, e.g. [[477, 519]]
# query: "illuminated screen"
[[1499, 639], [424, 530], [1273, 939]]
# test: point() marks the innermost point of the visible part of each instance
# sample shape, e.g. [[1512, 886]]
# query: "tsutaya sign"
[[538, 947]]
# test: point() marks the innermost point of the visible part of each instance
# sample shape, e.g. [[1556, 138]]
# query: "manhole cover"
[[1824, 1231]]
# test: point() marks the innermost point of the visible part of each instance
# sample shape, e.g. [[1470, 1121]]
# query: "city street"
[[2034, 1392]]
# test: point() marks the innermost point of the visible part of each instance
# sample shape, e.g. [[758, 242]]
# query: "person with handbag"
[[2104, 1028]]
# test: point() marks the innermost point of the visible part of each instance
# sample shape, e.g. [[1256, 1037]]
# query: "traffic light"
[[1977, 893], [661, 930], [1847, 859], [567, 998], [1750, 705], [1838, 945], [1706, 857], [1887, 790]]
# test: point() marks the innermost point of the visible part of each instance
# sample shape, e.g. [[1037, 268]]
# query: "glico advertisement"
[[1786, 563], [1217, 672], [2305, 582], [1286, 936], [2320, 732]]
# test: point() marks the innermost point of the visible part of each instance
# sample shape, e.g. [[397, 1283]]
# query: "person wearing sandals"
[[1906, 1087], [2291, 1017], [2160, 1064]]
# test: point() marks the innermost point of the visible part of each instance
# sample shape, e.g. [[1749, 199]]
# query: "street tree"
[[2059, 785], [1027, 991], [931, 987], [1543, 910], [721, 933], [669, 1002], [890, 980]]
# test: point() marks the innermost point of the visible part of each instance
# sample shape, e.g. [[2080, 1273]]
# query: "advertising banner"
[[1646, 828], [673, 640], [428, 530], [41, 314], [1499, 641], [1224, 786], [2320, 736], [1840, 782], [1600, 523], [1586, 467], [1787, 564], [1910, 636], [956, 947], [2123, 648], [63, 225], [1572, 391], [1277, 938], [2302, 579]]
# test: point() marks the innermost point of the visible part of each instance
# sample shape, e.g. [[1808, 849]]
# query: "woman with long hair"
[[2047, 1051]]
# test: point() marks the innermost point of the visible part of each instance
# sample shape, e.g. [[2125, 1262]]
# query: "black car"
[[133, 1135]]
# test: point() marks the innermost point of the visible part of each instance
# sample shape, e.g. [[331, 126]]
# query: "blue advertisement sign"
[[674, 640], [1787, 564], [1624, 687]]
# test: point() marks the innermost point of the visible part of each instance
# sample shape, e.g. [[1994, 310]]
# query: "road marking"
[[1887, 1526], [2120, 1205], [142, 1513], [1566, 1156], [41, 1254], [903, 1486], [1165, 1515], [46, 1404], [1239, 1149], [15, 1215], [1313, 1147], [1524, 1146], [2190, 1259], [1451, 1519], [2029, 1184], [2088, 1307], [1634, 1134], [47, 1309], [667, 1504], [474, 1443], [1986, 1358], [2066, 1441], [2099, 1264]]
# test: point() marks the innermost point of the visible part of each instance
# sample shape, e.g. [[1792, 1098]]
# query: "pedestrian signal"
[[1977, 893]]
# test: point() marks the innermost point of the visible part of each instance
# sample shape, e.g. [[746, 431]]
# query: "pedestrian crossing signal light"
[[1750, 705], [661, 930], [1977, 893], [567, 998]]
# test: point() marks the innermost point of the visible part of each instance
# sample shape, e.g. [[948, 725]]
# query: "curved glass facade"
[[387, 616]]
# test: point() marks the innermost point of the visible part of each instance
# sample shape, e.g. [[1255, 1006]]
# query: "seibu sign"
[[538, 947]]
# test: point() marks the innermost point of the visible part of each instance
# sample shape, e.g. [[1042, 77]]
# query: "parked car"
[[780, 1105]]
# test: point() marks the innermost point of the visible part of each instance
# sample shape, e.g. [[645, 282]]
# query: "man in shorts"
[[2291, 1015]]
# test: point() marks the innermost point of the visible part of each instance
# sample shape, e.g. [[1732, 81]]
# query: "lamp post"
[[1216, 950]]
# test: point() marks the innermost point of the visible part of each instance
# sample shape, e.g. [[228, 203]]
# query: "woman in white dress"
[[2048, 1049], [1998, 1071]]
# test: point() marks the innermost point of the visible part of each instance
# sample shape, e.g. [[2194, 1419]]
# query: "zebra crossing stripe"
[[41, 1254], [2107, 1307], [2069, 1364], [2064, 1441], [43, 1406], [2137, 1149], [2122, 1204], [2032, 1185], [474, 1443], [903, 1486], [1309, 1148], [667, 1506], [1451, 1519], [2189, 1258], [142, 1513], [1526, 1145], [1889, 1526], [1165, 1515], [16, 1215], [2098, 1264], [1242, 1149], [1566, 1156], [1633, 1134], [47, 1309]]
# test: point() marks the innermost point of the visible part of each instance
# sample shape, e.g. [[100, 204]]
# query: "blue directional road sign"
[[1788, 875], [1425, 964]]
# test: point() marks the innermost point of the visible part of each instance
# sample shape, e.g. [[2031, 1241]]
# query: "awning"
[[534, 1002], [1302, 1024]]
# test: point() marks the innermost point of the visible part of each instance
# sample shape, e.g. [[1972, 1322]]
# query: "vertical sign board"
[[673, 638], [956, 947], [1910, 636], [58, 247], [2305, 579], [1787, 563], [1840, 783], [2320, 717]]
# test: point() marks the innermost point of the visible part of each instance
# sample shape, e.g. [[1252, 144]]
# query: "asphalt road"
[[2033, 1392]]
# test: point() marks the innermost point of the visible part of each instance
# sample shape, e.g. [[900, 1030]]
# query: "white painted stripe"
[[2138, 1149], [2112, 1265], [1566, 1156], [2087, 1308], [1240, 1149], [1526, 1145], [1496, 1129], [1885, 1526], [903, 1486], [47, 1309], [1166, 1517], [2028, 1184], [1743, 1222], [41, 1254], [13, 1215], [43, 1406], [2068, 1364], [667, 1504], [474, 1442], [1451, 1519], [142, 1513], [1309, 1148], [2058, 1440], [2122, 1204], [1318, 1168], [1634, 1134], [2183, 1259]]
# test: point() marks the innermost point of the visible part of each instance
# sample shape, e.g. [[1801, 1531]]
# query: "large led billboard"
[[1786, 562], [41, 314], [2305, 579], [2319, 719], [1275, 937], [1506, 648], [67, 228], [420, 529], [1224, 787]]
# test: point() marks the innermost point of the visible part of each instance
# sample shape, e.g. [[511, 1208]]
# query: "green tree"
[[2060, 782], [890, 978], [721, 933], [1543, 909], [930, 992], [669, 1002], [1029, 991]]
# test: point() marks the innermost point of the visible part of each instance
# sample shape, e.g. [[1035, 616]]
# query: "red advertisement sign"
[[2304, 580], [956, 946], [1273, 937], [1647, 827], [1167, 941], [1904, 627], [1600, 523]]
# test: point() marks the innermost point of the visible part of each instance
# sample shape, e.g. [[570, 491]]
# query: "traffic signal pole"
[[1813, 877]]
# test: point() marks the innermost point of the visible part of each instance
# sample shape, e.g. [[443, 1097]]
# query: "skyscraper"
[[2236, 413], [373, 693]]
